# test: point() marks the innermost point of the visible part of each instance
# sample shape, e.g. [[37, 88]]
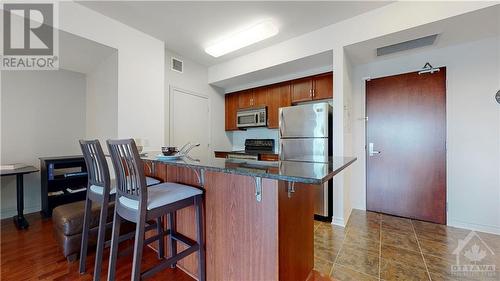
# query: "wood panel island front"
[[258, 216]]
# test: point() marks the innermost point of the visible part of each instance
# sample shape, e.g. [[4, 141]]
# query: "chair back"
[[97, 167], [129, 170]]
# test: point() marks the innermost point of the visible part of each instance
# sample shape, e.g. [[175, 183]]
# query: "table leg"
[[19, 220]]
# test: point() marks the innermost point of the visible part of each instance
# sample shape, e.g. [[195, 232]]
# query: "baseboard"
[[10, 212], [474, 226], [338, 221]]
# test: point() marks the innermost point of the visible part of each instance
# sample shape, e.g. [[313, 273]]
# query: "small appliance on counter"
[[306, 136], [253, 147]]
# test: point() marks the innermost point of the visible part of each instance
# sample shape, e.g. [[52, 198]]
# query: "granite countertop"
[[303, 172]]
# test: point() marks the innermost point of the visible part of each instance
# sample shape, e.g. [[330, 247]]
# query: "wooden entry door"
[[406, 145]]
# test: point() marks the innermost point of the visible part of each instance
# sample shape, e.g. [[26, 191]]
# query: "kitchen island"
[[258, 216]]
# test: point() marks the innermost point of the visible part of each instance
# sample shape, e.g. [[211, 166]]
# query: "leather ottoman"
[[68, 225]]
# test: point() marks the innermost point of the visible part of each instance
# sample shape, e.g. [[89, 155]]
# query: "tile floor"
[[380, 247]]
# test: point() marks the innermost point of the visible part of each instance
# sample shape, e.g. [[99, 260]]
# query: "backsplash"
[[238, 137]]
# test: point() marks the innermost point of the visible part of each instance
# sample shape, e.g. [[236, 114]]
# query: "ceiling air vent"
[[407, 45], [177, 65]]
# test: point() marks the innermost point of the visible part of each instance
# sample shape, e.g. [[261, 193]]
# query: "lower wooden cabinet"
[[268, 157], [220, 154]]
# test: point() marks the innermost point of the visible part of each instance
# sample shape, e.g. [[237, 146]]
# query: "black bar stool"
[[100, 191], [136, 202]]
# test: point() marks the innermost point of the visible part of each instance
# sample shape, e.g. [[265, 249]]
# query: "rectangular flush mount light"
[[243, 38]]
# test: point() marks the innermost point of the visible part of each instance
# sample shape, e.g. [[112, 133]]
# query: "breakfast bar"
[[258, 216]]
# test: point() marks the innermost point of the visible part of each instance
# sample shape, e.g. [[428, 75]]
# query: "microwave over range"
[[252, 117]]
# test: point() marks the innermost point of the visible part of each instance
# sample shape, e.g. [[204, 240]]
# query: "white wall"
[[379, 22], [473, 128], [140, 70], [102, 101], [42, 114], [194, 79]]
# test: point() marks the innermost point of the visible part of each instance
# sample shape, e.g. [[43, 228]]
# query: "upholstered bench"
[[68, 225]]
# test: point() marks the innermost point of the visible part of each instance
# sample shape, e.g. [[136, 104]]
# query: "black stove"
[[253, 147], [260, 145]]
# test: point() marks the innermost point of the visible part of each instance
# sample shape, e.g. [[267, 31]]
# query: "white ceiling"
[[188, 27], [460, 29], [311, 65], [80, 54]]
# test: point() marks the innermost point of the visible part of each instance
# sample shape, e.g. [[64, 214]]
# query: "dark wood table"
[[19, 220]]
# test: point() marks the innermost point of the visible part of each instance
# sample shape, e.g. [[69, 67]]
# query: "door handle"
[[372, 152], [281, 122]]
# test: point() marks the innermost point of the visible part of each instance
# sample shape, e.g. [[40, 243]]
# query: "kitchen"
[[304, 179], [339, 141]]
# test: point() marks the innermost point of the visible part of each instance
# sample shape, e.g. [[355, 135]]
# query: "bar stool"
[[136, 202], [99, 191]]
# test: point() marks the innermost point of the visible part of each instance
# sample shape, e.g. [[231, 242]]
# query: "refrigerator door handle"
[[281, 123], [280, 153]]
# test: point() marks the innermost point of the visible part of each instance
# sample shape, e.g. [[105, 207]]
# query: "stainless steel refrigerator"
[[306, 136]]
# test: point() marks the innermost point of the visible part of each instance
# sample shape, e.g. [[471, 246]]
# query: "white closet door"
[[190, 121]]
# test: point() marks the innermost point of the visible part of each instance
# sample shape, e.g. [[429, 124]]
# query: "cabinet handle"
[[314, 92], [310, 93]]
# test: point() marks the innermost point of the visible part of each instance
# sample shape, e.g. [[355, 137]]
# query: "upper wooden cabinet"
[[252, 98], [302, 89], [323, 86], [313, 88], [245, 98], [231, 107], [260, 97], [277, 96]]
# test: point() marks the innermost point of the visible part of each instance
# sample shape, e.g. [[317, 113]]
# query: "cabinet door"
[[245, 99], [259, 97], [302, 90], [231, 107], [277, 96], [323, 86]]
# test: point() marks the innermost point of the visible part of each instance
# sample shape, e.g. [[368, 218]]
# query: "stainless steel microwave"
[[252, 117]]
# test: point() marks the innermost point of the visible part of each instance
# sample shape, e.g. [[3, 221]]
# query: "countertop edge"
[[251, 174]]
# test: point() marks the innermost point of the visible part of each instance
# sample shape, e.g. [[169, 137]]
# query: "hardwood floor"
[[372, 247], [34, 255]]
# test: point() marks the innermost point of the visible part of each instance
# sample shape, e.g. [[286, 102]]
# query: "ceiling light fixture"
[[243, 38]]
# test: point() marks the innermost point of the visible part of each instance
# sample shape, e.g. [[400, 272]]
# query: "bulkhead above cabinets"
[[311, 88]]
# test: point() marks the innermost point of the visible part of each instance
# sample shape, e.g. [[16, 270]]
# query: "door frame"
[[367, 79], [171, 117]]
